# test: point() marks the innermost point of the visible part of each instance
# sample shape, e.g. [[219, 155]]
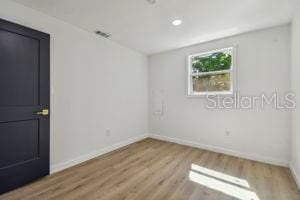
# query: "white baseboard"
[[295, 175], [223, 150], [61, 166]]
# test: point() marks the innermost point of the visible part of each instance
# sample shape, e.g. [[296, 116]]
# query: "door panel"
[[23, 140], [24, 91], [25, 69]]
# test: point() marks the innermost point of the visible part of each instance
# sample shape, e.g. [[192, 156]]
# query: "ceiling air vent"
[[103, 34], [151, 1]]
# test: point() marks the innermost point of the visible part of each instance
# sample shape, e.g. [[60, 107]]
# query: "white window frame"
[[232, 71]]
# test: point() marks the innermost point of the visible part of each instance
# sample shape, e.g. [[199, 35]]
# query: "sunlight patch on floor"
[[224, 183], [222, 176]]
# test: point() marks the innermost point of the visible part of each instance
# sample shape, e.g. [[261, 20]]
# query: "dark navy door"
[[24, 105]]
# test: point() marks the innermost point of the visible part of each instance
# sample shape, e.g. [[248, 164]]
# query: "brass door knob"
[[44, 112]]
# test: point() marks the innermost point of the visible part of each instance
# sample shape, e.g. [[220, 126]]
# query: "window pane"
[[212, 62], [211, 83]]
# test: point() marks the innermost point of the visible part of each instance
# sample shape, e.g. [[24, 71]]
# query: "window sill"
[[205, 94]]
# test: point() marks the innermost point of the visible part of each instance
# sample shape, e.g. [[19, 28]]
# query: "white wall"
[[295, 149], [96, 84], [263, 65]]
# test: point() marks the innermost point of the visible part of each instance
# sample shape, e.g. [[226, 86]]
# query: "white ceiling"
[[148, 28]]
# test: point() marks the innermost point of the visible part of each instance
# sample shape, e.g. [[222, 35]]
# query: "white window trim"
[[232, 72]]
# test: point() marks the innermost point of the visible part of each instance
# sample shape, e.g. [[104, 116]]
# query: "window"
[[211, 72]]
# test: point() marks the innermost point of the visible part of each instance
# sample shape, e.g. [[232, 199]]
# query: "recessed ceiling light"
[[177, 22]]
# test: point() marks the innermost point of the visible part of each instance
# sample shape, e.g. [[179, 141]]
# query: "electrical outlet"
[[227, 133], [107, 132]]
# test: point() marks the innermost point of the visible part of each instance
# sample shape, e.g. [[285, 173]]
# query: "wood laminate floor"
[[158, 170]]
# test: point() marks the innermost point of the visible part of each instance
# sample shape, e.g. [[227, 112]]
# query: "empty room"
[[149, 100]]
